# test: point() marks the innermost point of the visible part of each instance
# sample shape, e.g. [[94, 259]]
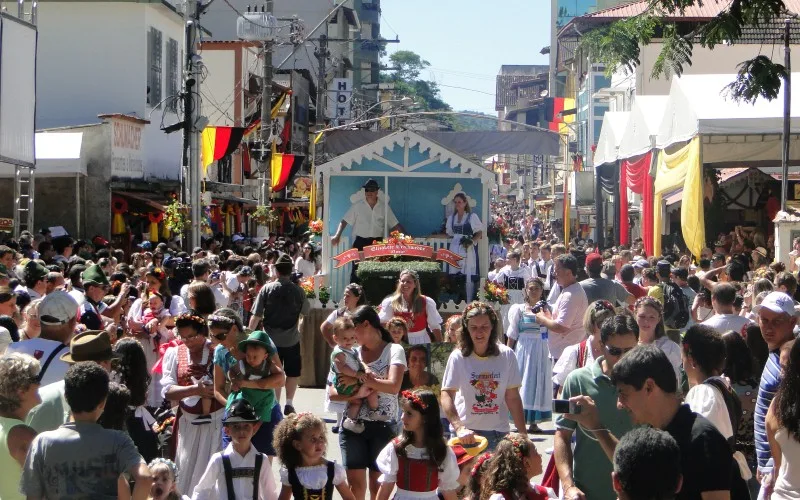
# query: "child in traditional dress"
[[155, 318], [199, 372], [164, 472], [348, 373], [398, 329], [476, 475], [239, 472], [418, 462], [305, 473], [508, 474], [452, 328]]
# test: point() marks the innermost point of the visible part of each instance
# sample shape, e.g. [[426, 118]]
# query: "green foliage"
[[465, 123], [175, 217], [757, 77], [618, 44], [408, 66], [379, 279]]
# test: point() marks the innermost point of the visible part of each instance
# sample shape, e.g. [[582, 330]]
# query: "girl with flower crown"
[[418, 462], [508, 474]]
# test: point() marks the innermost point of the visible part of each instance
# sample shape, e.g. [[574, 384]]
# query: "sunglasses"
[[617, 351], [220, 336]]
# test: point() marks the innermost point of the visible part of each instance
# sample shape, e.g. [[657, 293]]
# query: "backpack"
[[732, 403], [676, 310]]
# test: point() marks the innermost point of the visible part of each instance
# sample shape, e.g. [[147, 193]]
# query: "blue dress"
[[533, 358]]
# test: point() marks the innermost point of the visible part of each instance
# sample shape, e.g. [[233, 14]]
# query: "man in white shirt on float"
[[370, 220]]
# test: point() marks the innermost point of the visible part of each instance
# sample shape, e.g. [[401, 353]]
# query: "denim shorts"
[[359, 451], [493, 437], [262, 439]]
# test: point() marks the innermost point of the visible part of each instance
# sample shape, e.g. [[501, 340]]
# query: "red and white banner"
[[410, 250]]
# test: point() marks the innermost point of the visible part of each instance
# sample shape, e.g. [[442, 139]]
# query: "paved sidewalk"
[[311, 400]]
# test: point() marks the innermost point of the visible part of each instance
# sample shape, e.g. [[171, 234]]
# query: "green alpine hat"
[[3, 271], [259, 338], [94, 275], [34, 270]]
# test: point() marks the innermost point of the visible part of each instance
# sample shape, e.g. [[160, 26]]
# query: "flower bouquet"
[[395, 238], [492, 292], [315, 227], [466, 241], [308, 288]]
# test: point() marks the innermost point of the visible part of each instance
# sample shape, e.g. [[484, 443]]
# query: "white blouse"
[[434, 319], [315, 477], [387, 463]]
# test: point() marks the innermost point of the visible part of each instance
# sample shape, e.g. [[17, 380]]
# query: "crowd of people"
[[159, 375]]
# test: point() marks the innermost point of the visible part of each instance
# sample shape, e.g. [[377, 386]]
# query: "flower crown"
[[486, 309], [517, 444], [165, 461], [158, 273], [189, 317], [648, 301], [414, 400], [216, 318], [479, 463]]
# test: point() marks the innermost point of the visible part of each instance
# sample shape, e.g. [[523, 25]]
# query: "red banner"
[[411, 250]]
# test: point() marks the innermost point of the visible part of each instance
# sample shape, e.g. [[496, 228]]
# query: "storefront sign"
[[6, 224], [408, 250], [126, 149], [340, 92]]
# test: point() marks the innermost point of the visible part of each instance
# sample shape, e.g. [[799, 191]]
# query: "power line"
[[464, 88]]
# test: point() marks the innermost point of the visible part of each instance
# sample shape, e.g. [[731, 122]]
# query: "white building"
[[116, 63]]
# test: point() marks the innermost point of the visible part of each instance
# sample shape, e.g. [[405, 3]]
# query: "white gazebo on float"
[[418, 179]]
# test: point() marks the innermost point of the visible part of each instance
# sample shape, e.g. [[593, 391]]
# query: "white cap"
[[5, 339], [57, 308], [777, 302], [236, 238]]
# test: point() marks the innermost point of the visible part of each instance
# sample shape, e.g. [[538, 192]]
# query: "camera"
[[542, 305], [565, 406]]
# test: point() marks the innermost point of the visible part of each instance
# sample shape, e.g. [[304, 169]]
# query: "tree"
[[408, 65], [619, 44]]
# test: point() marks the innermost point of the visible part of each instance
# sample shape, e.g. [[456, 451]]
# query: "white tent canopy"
[[732, 132], [643, 124], [614, 123]]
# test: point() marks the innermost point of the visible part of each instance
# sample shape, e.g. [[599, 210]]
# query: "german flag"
[[218, 142], [282, 168]]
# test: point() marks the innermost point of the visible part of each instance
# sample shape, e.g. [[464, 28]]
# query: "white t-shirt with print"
[[481, 385], [388, 409]]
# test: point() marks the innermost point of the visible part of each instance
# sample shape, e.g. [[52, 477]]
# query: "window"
[[154, 57], [173, 74]]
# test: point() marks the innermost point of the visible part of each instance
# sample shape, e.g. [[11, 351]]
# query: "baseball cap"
[[777, 302], [641, 264], [91, 345], [245, 271], [593, 259], [57, 308], [237, 238], [146, 245]]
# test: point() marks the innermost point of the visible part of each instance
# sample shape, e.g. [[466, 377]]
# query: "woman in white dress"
[[465, 224], [418, 311], [529, 340], [155, 280], [306, 264]]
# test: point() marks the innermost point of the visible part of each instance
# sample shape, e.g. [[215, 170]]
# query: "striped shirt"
[[770, 379]]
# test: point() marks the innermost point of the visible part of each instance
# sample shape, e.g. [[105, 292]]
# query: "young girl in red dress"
[[418, 462], [508, 474]]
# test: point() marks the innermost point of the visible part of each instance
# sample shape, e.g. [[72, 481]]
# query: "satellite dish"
[[544, 93]]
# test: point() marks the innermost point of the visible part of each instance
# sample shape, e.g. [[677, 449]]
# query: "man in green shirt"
[[586, 473]]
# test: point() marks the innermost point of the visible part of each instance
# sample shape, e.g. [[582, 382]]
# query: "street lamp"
[[404, 102]]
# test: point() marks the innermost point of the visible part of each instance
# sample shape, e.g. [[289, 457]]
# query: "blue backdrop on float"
[[417, 202]]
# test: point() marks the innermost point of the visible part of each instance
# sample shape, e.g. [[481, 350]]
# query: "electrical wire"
[[464, 88]]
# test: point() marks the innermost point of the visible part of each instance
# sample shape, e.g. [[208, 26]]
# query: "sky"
[[467, 41]]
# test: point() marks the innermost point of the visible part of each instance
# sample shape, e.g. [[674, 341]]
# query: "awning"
[[59, 154], [614, 123], [642, 126], [733, 132], [477, 143], [143, 198]]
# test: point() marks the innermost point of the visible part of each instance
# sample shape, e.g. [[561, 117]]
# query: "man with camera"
[[587, 470]]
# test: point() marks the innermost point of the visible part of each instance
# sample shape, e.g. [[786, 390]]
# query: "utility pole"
[[191, 113], [787, 112], [322, 55], [266, 114]]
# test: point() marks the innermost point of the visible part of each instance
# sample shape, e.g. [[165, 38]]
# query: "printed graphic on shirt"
[[485, 385]]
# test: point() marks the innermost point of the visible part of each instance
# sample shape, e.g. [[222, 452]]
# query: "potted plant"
[[264, 215], [324, 295]]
